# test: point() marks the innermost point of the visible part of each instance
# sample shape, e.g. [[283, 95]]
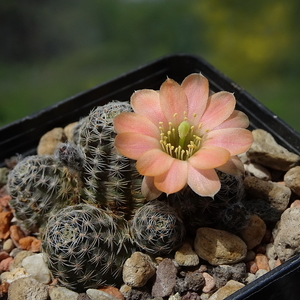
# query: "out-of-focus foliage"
[[51, 50]]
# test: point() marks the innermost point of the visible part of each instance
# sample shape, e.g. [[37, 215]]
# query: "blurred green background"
[[51, 50]]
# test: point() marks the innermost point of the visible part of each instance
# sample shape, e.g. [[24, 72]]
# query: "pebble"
[[49, 141], [267, 152], [191, 296], [292, 179], [275, 193], [209, 283], [62, 293], [99, 295], [186, 256], [219, 246], [249, 278], [5, 218], [13, 275], [262, 262], [270, 251], [68, 131], [30, 243], [252, 267], [258, 171], [16, 234], [138, 269], [27, 286], [165, 279], [37, 268], [260, 273], [113, 291], [175, 297], [253, 234], [5, 264], [296, 203], [287, 239], [19, 258], [8, 245], [195, 281], [229, 288]]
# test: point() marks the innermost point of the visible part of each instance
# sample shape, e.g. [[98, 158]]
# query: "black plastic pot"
[[22, 136]]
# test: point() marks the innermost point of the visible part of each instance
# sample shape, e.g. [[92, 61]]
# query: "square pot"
[[22, 137]]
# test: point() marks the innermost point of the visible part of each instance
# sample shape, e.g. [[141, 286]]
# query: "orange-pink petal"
[[132, 122], [148, 189], [236, 120], [196, 89], [154, 162], [146, 103], [133, 145], [173, 101], [203, 182], [174, 179], [234, 166], [219, 107], [235, 140], [209, 157]]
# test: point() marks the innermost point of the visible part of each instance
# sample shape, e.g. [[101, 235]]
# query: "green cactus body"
[[110, 179], [39, 185], [157, 228], [86, 247]]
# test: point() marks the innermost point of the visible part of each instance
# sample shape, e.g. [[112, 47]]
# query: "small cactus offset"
[[110, 179], [86, 247], [157, 228], [39, 185]]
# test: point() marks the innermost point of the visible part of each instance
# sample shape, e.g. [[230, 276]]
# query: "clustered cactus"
[[88, 198], [86, 246]]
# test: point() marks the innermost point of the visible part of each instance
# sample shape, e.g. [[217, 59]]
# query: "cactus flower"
[[180, 134]]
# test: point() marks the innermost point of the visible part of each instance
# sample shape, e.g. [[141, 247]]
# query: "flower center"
[[180, 142]]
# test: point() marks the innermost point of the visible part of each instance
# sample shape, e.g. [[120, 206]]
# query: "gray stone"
[[99, 295], [27, 288], [138, 269], [267, 152], [219, 246], [165, 280], [62, 293], [287, 239], [37, 268], [275, 193], [258, 171]]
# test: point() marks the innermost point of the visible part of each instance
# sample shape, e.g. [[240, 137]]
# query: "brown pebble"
[[5, 264], [278, 262], [262, 261], [5, 218], [5, 200], [25, 242], [16, 234], [113, 291], [252, 267], [267, 237], [3, 255]]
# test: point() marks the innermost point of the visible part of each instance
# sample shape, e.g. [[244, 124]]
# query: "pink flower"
[[179, 135]]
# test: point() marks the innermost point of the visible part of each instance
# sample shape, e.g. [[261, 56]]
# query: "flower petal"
[[149, 191], [234, 166], [146, 103], [196, 89], [209, 157], [236, 120], [154, 162], [173, 101], [133, 145], [219, 107], [174, 179], [203, 182], [132, 122], [235, 140]]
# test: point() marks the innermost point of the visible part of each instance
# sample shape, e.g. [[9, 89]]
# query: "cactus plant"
[[39, 185], [86, 247], [157, 228], [110, 179]]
